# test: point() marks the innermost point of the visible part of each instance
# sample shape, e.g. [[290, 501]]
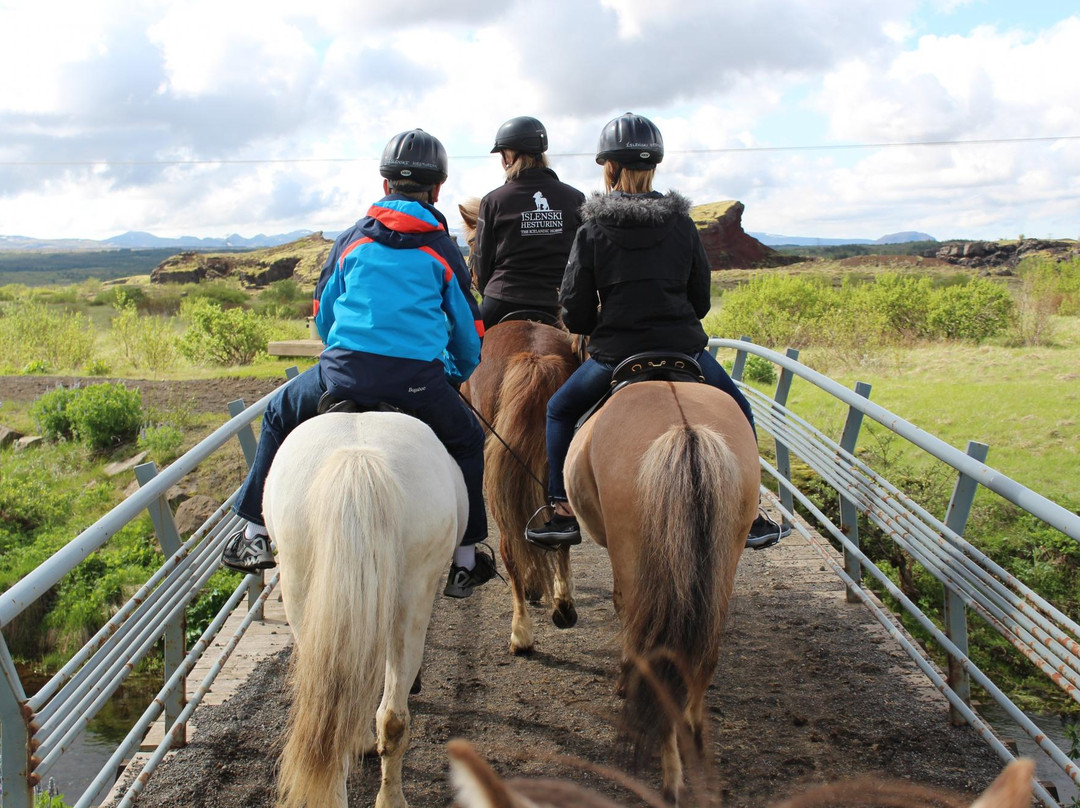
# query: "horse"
[[524, 363], [665, 476], [478, 786], [366, 510]]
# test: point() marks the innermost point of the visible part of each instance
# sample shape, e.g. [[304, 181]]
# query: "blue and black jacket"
[[395, 288]]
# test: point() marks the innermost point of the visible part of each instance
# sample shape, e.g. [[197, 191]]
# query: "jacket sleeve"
[[484, 246], [578, 293], [329, 288], [463, 320], [699, 285]]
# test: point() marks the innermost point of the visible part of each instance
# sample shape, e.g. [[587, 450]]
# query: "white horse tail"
[[338, 665], [692, 484]]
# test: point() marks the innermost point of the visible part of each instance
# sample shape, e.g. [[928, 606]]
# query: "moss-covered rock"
[[300, 260]]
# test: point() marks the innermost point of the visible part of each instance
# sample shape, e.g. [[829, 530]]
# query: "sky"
[[826, 118]]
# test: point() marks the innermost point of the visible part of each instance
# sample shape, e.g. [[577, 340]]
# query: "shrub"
[[221, 336], [29, 499], [224, 294], [120, 296], [97, 367], [105, 415], [759, 369], [50, 413], [145, 342], [977, 311], [284, 299], [895, 305], [774, 311], [31, 331], [36, 366], [161, 442]]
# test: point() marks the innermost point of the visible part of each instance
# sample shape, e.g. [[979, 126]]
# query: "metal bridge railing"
[[971, 581], [35, 731]]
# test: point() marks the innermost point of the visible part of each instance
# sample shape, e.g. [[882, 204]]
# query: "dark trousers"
[[438, 406], [585, 387]]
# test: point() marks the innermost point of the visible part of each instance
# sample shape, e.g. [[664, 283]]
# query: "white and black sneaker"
[[247, 554], [764, 532], [461, 582]]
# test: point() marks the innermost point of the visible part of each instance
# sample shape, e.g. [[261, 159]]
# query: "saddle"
[[666, 366], [331, 403], [535, 315]]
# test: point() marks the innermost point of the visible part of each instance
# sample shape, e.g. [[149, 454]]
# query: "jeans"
[[585, 387], [440, 408]]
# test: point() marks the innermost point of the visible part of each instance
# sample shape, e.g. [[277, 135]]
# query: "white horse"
[[366, 510]]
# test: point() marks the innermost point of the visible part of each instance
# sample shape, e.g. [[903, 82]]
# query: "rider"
[[639, 254], [400, 326], [525, 227]]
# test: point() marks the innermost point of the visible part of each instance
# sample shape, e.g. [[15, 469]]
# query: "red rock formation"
[[727, 244]]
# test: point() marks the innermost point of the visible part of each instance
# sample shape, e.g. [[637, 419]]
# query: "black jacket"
[[640, 257], [523, 236]]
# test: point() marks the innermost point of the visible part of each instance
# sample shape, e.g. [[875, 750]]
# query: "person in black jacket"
[[638, 255], [525, 227]]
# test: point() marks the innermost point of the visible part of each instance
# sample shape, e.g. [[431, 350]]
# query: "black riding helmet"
[[522, 134], [632, 141], [416, 156]]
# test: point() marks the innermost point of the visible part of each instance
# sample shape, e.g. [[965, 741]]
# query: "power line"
[[727, 150]]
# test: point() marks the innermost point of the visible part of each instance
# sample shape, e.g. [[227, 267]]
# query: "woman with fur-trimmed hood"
[[637, 280]]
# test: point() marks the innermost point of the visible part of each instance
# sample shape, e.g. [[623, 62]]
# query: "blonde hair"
[[627, 180], [516, 162]]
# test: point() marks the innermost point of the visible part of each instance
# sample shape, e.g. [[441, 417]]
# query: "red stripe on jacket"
[[401, 222]]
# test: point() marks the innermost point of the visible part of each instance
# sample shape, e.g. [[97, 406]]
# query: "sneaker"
[[247, 555], [558, 531], [461, 582], [764, 532]]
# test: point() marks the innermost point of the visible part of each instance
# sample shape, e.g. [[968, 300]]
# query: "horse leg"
[[564, 614], [671, 766], [522, 637]]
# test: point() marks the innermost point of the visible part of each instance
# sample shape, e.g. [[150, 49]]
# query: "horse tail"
[[338, 662], [514, 494], [692, 483]]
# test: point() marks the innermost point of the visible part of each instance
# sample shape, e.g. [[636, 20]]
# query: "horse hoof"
[[564, 616], [525, 651], [534, 597]]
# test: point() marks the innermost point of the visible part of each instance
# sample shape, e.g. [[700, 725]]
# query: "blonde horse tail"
[[690, 485], [339, 659], [514, 495]]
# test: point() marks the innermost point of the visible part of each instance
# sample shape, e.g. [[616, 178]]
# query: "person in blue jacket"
[[400, 326]]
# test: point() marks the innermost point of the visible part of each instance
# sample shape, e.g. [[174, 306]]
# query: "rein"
[[513, 454]]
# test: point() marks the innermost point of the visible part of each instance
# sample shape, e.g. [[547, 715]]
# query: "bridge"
[[812, 585]]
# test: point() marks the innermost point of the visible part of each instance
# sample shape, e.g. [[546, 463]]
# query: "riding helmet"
[[632, 141], [414, 155], [522, 134]]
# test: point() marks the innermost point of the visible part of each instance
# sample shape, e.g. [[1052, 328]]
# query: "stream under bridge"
[[819, 679]]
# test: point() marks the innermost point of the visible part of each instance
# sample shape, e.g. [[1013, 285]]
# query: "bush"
[[162, 443], [35, 366], [97, 367], [895, 305], [50, 413], [33, 332], [105, 415], [284, 299], [977, 311], [759, 369], [144, 342], [774, 311], [224, 294], [221, 336]]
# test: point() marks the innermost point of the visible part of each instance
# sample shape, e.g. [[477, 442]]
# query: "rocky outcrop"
[[301, 260], [1002, 256], [727, 244]]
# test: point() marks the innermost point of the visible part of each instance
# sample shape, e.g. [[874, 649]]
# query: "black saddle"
[[535, 315], [663, 366], [332, 403]]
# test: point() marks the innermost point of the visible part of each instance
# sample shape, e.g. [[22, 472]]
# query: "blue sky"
[[208, 118]]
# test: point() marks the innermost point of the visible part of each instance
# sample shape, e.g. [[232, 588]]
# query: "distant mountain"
[[772, 240], [135, 240]]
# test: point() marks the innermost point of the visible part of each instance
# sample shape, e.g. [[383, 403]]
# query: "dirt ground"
[[200, 395], [809, 689]]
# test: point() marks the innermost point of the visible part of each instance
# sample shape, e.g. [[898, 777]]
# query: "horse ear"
[[1012, 789], [476, 783]]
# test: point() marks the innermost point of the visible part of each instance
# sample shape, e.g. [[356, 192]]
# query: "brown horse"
[[478, 786], [666, 476], [524, 363]]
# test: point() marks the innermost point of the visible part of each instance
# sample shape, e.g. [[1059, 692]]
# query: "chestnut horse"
[[478, 786], [666, 477], [524, 363], [366, 510]]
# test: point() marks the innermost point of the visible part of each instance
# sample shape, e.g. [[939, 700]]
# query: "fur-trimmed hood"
[[635, 221], [635, 210]]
